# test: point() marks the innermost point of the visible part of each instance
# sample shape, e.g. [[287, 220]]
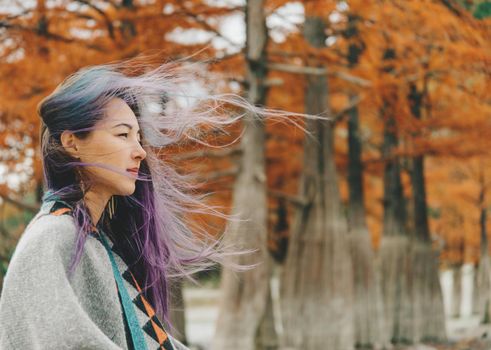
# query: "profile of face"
[[115, 143]]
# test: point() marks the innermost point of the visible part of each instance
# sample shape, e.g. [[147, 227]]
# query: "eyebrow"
[[127, 125]]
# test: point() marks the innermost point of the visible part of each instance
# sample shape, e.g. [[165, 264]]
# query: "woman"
[[92, 269]]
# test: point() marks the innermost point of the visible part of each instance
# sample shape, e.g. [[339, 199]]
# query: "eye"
[[125, 135]]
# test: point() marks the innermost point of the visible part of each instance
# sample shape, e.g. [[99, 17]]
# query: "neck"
[[96, 202]]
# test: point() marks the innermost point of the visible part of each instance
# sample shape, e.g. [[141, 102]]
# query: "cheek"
[[109, 152], [115, 183], [114, 159]]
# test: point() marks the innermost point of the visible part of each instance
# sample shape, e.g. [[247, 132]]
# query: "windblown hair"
[[149, 226]]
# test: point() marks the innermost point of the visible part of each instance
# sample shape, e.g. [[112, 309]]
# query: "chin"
[[127, 190]]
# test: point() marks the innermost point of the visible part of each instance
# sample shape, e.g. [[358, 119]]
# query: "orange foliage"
[[444, 54]]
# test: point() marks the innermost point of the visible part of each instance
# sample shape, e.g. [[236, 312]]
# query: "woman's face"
[[114, 143]]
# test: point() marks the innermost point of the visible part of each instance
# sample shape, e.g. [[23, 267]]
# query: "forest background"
[[369, 223]]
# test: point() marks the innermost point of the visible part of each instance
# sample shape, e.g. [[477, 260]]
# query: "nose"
[[139, 152]]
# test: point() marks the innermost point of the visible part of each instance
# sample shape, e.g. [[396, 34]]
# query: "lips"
[[134, 171]]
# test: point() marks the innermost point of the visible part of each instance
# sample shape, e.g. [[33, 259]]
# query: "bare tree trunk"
[[368, 307], [450, 282], [266, 338], [393, 253], [468, 277], [127, 28], [411, 284], [317, 283], [457, 289], [427, 293], [242, 323], [483, 273], [483, 283]]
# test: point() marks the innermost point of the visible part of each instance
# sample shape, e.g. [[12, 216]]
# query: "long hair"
[[149, 226]]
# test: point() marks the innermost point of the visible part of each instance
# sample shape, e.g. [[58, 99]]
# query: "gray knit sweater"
[[40, 308]]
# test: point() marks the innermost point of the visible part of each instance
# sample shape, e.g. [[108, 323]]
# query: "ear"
[[69, 143]]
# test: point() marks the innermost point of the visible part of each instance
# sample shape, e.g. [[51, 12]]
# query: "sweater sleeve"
[[39, 308]]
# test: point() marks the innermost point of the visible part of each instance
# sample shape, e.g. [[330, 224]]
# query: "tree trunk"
[[394, 257], [457, 290], [420, 210], [450, 282], [242, 323], [266, 338], [483, 283], [483, 273], [467, 290], [317, 282], [368, 307], [127, 28], [427, 293]]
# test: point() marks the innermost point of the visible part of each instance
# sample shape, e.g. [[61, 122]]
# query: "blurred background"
[[372, 230]]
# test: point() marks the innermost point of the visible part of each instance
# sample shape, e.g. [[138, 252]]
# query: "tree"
[[368, 307], [317, 282], [245, 296], [426, 292]]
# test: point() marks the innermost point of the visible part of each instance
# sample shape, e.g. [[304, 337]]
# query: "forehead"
[[117, 111]]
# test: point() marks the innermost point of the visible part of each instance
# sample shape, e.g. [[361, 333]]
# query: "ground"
[[202, 312]]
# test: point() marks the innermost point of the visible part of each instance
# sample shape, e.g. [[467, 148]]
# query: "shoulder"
[[46, 244], [40, 299], [50, 241], [41, 255], [47, 230]]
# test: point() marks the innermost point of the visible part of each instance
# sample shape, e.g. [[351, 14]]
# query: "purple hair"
[[149, 226]]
